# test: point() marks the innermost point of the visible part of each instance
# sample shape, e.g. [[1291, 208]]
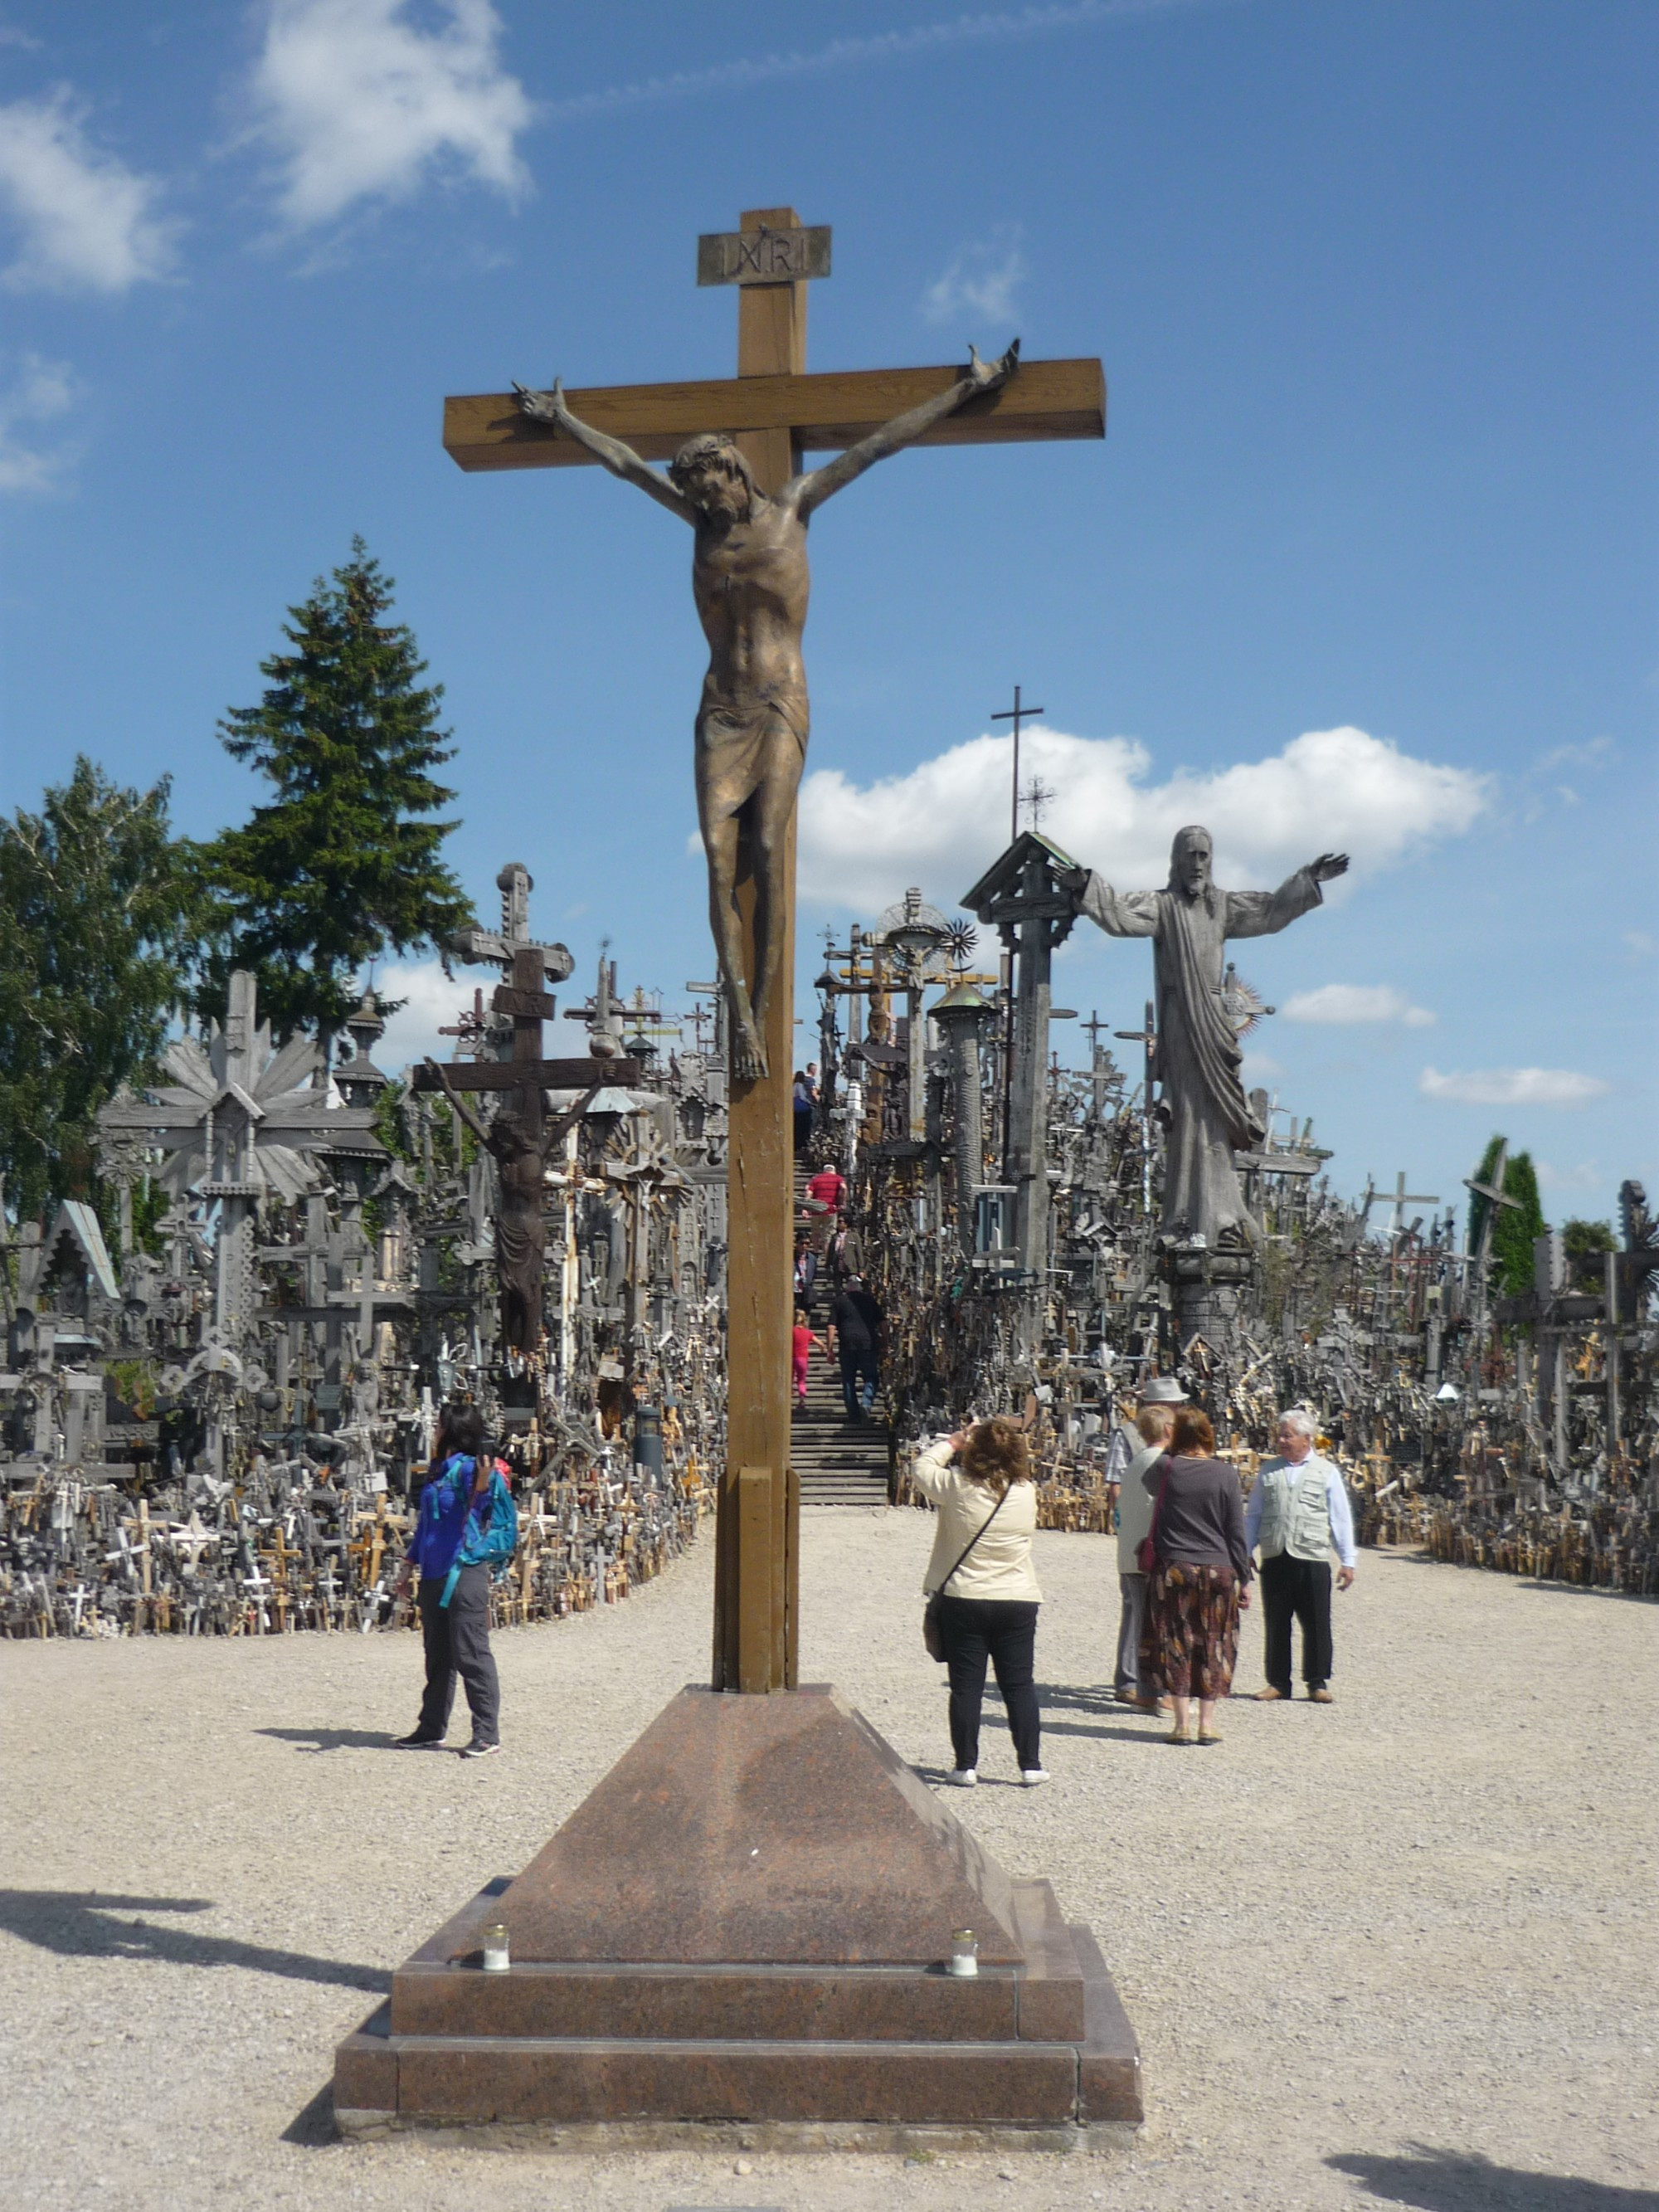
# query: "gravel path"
[[1398, 1949]]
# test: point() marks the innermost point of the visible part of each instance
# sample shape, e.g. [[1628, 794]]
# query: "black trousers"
[[1002, 1632], [858, 1368], [1296, 1590], [457, 1638]]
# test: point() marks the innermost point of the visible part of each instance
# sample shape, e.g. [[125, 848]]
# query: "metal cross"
[[1016, 714]]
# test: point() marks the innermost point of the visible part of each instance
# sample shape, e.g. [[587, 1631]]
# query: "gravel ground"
[[1401, 1949]]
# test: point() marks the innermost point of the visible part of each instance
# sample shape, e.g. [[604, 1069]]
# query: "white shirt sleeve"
[[1336, 1495], [931, 1471], [1118, 1456]]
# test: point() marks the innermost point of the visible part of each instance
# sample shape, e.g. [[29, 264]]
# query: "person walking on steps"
[[466, 1524], [1298, 1511], [987, 1596], [1201, 1573], [801, 1342], [856, 1340]]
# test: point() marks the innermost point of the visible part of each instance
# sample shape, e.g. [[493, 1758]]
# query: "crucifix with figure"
[[735, 449]]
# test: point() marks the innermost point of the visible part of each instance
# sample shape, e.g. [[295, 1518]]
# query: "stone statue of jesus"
[[749, 573], [1197, 1053]]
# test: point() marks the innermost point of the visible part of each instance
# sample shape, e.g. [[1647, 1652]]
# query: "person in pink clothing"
[[802, 1342]]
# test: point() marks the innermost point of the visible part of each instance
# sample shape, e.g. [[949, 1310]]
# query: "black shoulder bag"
[[932, 1634]]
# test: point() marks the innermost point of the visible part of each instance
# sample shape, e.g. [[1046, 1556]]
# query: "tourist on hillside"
[[826, 1192], [801, 1099], [988, 1597], [801, 1342], [856, 1333], [1153, 1424], [466, 1525], [1200, 1574], [1126, 1441], [1298, 1511]]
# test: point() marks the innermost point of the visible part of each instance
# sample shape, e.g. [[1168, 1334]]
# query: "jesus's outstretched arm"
[[810, 491], [622, 460]]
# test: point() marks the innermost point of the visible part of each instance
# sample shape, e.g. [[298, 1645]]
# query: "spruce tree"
[[97, 934], [1512, 1233], [344, 865]]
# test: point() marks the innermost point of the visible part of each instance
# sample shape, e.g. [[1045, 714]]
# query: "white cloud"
[[1513, 1086], [39, 392], [359, 103], [434, 1002], [942, 823], [84, 220], [1356, 1002], [1640, 945], [981, 280], [1587, 1175]]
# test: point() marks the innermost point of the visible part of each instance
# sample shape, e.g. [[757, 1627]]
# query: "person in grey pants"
[[1135, 1520]]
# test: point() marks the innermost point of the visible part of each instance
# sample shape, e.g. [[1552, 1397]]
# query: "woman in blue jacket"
[[452, 1551]]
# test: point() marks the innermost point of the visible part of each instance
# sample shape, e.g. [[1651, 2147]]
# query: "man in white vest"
[[1299, 1509]]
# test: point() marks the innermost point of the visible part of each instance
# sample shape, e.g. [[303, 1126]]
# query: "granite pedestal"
[[744, 1930]]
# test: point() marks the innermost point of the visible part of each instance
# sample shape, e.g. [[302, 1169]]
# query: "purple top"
[[1200, 1523]]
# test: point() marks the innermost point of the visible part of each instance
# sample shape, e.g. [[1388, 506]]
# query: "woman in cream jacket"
[[988, 1604]]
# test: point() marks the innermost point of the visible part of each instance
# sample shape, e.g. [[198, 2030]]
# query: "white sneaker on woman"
[[1030, 1775], [965, 1778]]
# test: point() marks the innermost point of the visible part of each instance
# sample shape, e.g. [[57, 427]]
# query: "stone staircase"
[[840, 1462]]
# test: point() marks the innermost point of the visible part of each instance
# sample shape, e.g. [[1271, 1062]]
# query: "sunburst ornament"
[[1243, 1004]]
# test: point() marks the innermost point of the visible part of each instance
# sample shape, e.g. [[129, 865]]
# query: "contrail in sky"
[[847, 53]]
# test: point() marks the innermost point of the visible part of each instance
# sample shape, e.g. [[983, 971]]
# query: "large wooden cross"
[[776, 412]]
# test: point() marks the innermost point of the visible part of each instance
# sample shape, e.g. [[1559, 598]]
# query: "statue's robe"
[[1197, 1055]]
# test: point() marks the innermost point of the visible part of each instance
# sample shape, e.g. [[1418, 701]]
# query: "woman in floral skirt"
[[1201, 1575]]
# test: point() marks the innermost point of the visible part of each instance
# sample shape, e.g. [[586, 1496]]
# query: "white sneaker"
[[965, 1778], [1030, 1775]]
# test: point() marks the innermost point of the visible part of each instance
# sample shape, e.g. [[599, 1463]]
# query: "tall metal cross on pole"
[[1017, 714], [775, 412]]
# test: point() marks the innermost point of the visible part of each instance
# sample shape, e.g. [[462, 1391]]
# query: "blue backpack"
[[491, 1535]]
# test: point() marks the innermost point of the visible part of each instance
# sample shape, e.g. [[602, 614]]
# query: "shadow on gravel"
[[313, 2125], [321, 1739], [1444, 2181], [83, 1924]]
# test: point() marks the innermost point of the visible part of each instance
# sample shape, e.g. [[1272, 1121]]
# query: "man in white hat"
[[1132, 1450]]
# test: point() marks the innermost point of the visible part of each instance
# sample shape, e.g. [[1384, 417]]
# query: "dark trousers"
[[856, 1367], [457, 1638], [1002, 1630], [1299, 1589]]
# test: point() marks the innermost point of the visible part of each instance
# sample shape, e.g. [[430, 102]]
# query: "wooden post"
[[755, 1641]]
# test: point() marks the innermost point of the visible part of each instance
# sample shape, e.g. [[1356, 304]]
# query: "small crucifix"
[[519, 1138]]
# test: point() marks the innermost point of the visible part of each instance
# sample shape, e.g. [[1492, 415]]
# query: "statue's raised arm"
[[622, 460], [810, 491]]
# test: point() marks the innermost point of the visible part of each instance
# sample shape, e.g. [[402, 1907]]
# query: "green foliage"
[[344, 866], [1517, 1226], [97, 914], [1584, 1242]]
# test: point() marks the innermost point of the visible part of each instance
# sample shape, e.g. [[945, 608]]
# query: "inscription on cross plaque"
[[736, 446]]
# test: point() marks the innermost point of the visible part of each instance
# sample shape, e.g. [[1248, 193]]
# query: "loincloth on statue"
[[739, 747]]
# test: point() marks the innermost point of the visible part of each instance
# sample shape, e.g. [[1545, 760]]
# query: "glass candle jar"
[[495, 1948], [964, 1954]]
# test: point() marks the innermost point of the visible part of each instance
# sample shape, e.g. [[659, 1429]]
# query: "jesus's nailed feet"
[[476, 1750]]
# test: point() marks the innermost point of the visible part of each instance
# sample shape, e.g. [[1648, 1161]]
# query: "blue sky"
[[1367, 558]]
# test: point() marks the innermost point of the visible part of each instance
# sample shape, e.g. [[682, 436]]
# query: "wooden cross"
[[775, 412], [1400, 1198]]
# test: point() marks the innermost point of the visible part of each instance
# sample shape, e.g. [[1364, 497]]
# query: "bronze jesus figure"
[[749, 573]]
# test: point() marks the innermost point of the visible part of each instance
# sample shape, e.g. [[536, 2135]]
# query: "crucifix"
[[1400, 1198], [519, 1138], [736, 446]]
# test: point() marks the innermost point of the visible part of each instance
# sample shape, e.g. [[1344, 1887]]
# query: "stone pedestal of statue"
[[748, 1927]]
